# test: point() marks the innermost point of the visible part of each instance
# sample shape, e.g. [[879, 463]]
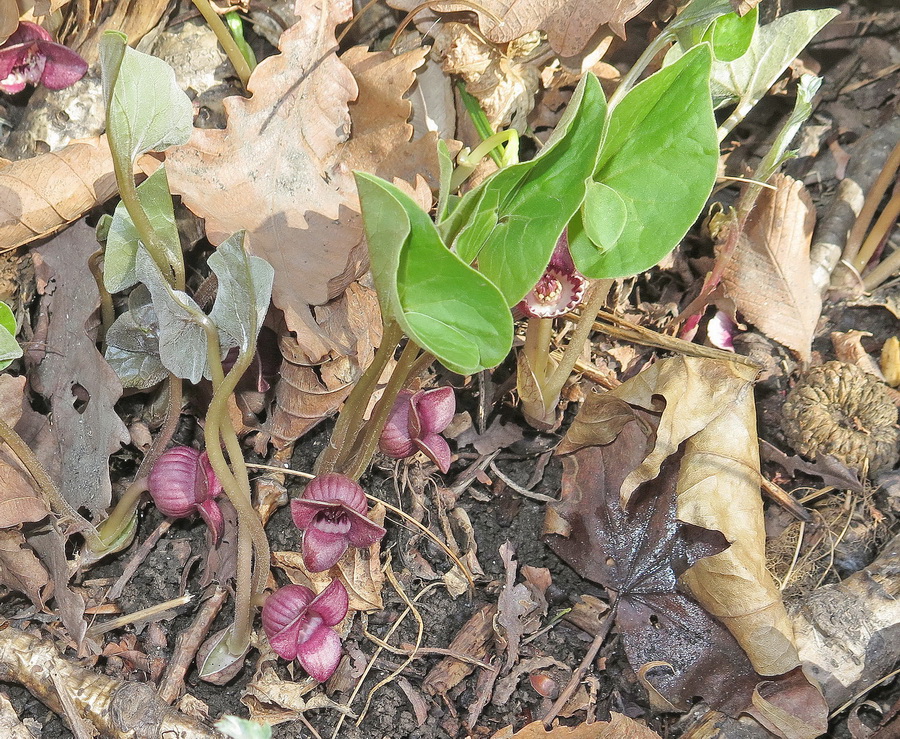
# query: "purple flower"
[[298, 623], [31, 56], [415, 424], [332, 516], [560, 288], [182, 482]]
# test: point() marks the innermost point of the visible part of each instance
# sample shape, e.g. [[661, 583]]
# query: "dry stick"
[[887, 269], [873, 200], [137, 560], [153, 612], [116, 708], [187, 644], [879, 231], [410, 657], [583, 668]]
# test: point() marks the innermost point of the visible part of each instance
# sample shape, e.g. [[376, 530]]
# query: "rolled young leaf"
[[511, 222]]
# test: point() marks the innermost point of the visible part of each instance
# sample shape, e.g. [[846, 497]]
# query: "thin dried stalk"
[[115, 708]]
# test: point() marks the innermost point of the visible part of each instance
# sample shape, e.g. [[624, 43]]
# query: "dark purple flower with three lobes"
[[182, 482], [415, 424], [560, 288], [298, 623], [31, 56], [332, 515]]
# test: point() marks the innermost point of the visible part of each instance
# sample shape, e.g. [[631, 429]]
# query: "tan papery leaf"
[[19, 503], [769, 276], [20, 569], [709, 408], [41, 195], [570, 24], [282, 168], [618, 727]]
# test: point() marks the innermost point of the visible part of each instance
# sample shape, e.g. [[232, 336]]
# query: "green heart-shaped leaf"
[[660, 157]]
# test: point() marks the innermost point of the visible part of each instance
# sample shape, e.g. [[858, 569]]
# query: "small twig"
[[540, 497], [371, 663], [837, 541], [785, 500], [145, 614], [796, 557], [137, 559], [188, 643], [861, 693], [583, 668]]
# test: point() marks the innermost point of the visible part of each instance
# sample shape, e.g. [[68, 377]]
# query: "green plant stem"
[[253, 546], [630, 78], [122, 166], [466, 163], [229, 45], [537, 346], [121, 515], [576, 341], [52, 497], [123, 512], [372, 431], [351, 418], [107, 310]]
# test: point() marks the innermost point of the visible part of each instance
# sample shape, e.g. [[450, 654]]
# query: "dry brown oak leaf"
[[707, 406], [41, 195], [282, 168], [769, 275], [618, 727], [570, 24]]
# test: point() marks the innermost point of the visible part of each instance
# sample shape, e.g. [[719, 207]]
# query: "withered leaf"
[[693, 434], [282, 168], [639, 552], [18, 501], [19, 569], [618, 727], [74, 377], [570, 24], [709, 409], [769, 276], [514, 606], [39, 196]]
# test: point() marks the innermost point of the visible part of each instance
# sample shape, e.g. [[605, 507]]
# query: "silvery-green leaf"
[[182, 339], [122, 238], [132, 343], [242, 299], [9, 347]]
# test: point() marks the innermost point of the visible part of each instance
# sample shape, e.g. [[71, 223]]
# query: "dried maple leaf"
[[570, 24], [41, 195], [707, 406], [639, 552], [69, 371], [769, 276]]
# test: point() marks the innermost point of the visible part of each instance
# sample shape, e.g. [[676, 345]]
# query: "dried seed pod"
[[840, 410]]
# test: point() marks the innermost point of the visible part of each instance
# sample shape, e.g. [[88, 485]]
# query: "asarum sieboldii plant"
[[298, 623], [415, 424], [332, 515], [30, 56], [182, 482], [560, 289]]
